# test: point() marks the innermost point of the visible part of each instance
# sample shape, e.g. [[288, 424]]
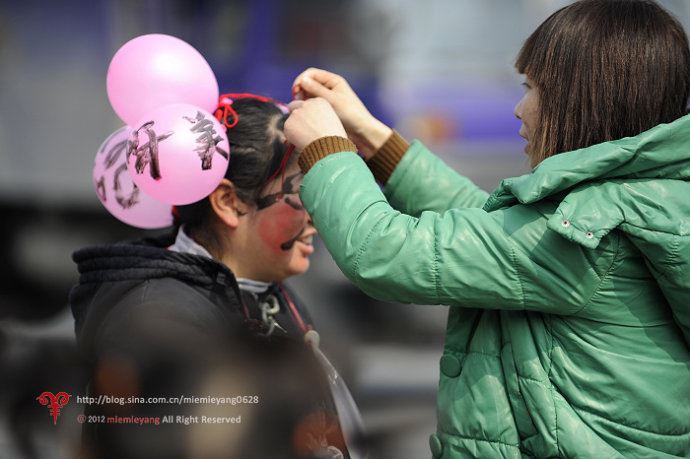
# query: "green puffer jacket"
[[569, 328]]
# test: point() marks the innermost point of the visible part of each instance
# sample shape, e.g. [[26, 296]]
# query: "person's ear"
[[225, 203]]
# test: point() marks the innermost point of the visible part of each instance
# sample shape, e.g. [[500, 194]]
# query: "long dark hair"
[[256, 154], [605, 69]]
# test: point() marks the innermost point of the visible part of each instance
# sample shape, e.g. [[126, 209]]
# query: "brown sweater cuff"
[[320, 148], [386, 159]]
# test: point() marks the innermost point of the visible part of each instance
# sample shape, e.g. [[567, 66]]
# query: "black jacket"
[[156, 323]]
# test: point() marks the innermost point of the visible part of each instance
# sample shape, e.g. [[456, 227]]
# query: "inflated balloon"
[[178, 153], [118, 193], [150, 71]]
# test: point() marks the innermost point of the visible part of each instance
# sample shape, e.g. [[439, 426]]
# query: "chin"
[[298, 265], [293, 269]]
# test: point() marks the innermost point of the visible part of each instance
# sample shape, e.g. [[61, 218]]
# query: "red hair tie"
[[225, 106]]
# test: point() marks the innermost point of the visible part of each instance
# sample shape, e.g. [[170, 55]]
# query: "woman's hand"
[[310, 120], [368, 133]]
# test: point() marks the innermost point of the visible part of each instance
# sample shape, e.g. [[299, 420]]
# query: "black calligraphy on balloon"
[[125, 201], [100, 188], [112, 157], [114, 153], [208, 140], [143, 145]]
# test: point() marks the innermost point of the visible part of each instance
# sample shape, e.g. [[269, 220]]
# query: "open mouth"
[[306, 239], [306, 246]]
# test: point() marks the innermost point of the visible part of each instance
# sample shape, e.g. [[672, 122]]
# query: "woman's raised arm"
[[389, 156]]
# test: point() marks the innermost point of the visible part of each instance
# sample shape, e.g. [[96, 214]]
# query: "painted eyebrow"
[[287, 188], [287, 185]]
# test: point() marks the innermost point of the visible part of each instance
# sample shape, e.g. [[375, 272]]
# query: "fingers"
[[297, 93], [314, 88], [327, 79], [295, 104], [319, 102], [311, 120], [312, 72]]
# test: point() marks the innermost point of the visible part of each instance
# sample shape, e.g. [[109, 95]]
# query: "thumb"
[[315, 89]]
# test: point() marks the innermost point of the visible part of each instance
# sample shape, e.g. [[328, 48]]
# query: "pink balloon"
[[150, 71], [118, 193], [178, 153]]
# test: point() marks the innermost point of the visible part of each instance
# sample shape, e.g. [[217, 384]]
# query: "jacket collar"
[[661, 152], [607, 184]]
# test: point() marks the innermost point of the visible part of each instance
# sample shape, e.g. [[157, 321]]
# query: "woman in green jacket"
[[569, 288]]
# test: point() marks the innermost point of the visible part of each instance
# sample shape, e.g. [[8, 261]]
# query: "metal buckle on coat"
[[269, 308]]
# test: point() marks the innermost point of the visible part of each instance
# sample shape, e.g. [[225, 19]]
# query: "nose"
[[517, 111]]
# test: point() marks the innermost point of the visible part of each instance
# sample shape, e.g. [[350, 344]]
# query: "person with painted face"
[[204, 312], [569, 288]]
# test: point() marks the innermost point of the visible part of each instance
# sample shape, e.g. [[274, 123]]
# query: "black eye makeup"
[[290, 187]]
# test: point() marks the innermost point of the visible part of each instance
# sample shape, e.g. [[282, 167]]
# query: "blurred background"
[[440, 70]]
